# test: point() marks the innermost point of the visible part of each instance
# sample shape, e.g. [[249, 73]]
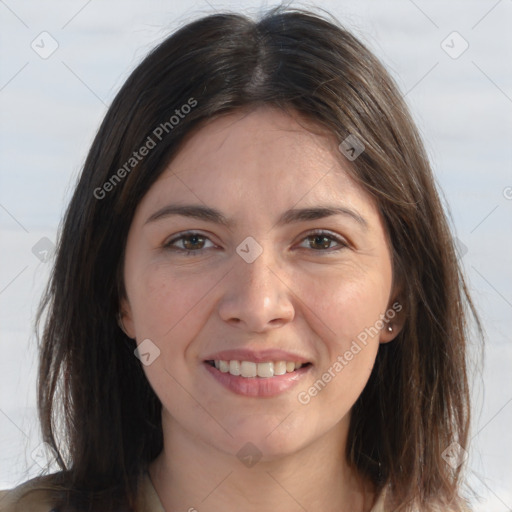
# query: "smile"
[[250, 369], [262, 379]]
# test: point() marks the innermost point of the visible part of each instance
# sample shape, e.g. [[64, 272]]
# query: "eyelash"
[[317, 232]]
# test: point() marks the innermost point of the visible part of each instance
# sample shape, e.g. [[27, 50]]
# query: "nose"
[[256, 295]]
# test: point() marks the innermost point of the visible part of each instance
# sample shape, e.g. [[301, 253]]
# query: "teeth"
[[248, 369], [251, 369], [234, 367], [279, 368], [224, 366], [265, 369]]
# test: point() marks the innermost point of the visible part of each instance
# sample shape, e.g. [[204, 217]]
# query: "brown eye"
[[188, 243], [322, 241]]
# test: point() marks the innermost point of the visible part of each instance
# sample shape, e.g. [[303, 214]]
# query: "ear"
[[125, 318], [393, 321]]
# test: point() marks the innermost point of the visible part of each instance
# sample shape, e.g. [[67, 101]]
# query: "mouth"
[[256, 372], [251, 369]]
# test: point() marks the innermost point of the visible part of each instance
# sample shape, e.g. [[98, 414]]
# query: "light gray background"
[[51, 108]]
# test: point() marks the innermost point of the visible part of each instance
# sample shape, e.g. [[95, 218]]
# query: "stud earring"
[[390, 328]]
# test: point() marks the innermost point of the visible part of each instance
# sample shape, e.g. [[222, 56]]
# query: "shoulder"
[[38, 495], [31, 496]]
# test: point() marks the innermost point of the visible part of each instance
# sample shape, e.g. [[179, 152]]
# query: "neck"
[[191, 475]]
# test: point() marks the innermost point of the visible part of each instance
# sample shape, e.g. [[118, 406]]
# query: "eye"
[[320, 241], [190, 242]]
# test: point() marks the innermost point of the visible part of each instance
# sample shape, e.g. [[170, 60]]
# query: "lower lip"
[[258, 386]]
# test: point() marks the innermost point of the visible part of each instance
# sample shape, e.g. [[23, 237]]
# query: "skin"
[[299, 295]]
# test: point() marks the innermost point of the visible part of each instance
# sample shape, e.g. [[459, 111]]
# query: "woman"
[[256, 301]]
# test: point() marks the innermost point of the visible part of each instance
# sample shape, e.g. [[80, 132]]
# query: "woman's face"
[[287, 262]]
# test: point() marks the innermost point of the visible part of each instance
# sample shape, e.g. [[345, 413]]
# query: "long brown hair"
[[97, 410]]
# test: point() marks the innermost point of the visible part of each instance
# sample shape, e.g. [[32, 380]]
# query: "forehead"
[[243, 141], [262, 157]]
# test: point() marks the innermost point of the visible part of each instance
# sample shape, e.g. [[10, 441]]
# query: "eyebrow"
[[288, 217]]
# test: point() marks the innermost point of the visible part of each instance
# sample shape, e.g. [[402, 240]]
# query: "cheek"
[[170, 310], [344, 304], [349, 313], [351, 308], [357, 307], [170, 306]]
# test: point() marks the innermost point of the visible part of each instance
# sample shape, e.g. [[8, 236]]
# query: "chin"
[[269, 439]]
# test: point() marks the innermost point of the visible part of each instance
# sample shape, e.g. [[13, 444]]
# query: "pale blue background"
[[50, 110]]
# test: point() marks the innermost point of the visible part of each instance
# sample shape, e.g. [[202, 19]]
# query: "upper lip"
[[256, 356]]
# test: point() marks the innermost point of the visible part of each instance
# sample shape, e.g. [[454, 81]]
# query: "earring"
[[390, 328]]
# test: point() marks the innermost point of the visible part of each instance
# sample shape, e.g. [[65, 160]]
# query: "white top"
[[39, 501]]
